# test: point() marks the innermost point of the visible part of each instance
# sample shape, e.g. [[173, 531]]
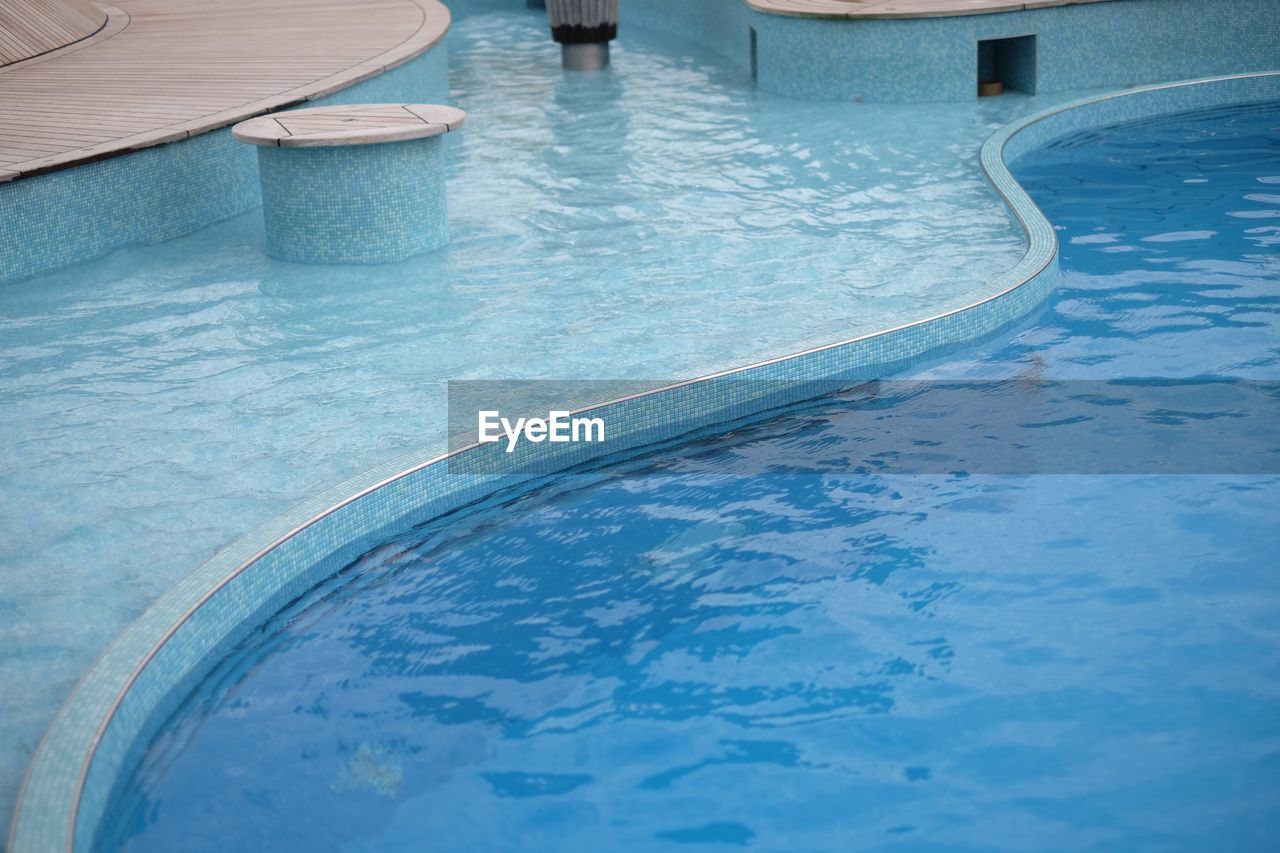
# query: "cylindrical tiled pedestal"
[[353, 184]]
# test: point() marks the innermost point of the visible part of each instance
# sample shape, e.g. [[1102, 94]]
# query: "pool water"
[[662, 220], [745, 641]]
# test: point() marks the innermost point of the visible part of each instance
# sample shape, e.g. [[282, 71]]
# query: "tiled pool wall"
[[155, 194], [1110, 44], [141, 679], [66, 217], [354, 204]]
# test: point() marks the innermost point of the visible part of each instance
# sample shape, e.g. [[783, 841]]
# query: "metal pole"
[[583, 29]]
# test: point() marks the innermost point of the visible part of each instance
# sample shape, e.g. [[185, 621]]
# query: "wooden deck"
[[164, 70], [31, 27], [872, 9]]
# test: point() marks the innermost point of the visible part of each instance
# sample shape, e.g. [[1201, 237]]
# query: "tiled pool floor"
[[658, 221]]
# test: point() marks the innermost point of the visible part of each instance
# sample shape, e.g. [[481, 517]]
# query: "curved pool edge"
[[142, 677]]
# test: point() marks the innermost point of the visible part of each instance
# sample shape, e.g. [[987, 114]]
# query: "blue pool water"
[[743, 642], [163, 402]]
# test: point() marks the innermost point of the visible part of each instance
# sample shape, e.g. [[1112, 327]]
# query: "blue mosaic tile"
[[359, 204], [67, 217]]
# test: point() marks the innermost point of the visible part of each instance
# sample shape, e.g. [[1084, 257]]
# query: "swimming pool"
[[166, 400], [751, 640]]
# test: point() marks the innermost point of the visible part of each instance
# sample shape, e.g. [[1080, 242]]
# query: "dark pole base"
[[585, 57]]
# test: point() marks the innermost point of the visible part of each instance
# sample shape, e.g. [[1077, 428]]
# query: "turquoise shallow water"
[[755, 641], [663, 219]]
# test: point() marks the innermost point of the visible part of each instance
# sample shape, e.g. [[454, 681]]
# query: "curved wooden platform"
[[31, 27], [886, 9], [165, 70]]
